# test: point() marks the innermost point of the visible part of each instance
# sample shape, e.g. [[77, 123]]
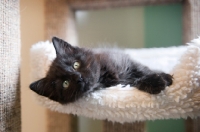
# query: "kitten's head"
[[73, 72]]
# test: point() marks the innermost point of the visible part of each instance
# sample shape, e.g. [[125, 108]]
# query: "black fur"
[[98, 69]]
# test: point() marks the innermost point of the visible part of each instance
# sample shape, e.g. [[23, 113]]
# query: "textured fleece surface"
[[127, 104]]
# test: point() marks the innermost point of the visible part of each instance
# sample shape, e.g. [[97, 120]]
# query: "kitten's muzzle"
[[81, 84], [77, 77], [79, 80]]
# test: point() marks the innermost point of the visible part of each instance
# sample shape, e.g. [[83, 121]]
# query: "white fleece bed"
[[127, 104]]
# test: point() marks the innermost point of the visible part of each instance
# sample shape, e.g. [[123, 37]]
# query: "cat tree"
[[10, 52], [55, 25]]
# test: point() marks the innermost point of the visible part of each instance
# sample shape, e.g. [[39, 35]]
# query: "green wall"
[[163, 25], [166, 126]]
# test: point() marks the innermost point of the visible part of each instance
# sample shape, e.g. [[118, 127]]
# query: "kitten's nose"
[[80, 79]]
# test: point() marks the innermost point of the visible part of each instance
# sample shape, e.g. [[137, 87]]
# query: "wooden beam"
[[101, 4]]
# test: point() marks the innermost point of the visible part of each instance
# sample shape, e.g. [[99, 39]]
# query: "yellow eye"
[[76, 65], [66, 84]]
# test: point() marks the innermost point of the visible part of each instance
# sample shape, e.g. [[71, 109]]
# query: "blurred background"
[[130, 27]]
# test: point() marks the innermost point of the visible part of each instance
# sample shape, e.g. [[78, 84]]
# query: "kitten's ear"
[[45, 88], [61, 46], [38, 86]]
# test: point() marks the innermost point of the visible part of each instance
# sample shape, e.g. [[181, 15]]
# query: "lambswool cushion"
[[128, 104]]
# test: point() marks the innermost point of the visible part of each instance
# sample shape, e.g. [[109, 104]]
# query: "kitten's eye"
[[65, 84], [76, 65]]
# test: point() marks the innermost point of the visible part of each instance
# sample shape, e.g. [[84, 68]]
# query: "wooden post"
[[191, 26], [126, 127], [59, 22], [191, 20]]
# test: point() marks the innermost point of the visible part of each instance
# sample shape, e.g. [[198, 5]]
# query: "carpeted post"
[[10, 109]]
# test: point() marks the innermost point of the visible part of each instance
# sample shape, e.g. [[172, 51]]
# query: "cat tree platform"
[[128, 104]]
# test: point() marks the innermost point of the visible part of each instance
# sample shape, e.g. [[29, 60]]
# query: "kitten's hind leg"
[[154, 83]]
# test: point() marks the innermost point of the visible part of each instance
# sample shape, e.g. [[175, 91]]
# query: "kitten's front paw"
[[168, 78], [155, 83]]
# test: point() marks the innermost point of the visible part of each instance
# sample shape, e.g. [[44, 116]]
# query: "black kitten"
[[78, 71]]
